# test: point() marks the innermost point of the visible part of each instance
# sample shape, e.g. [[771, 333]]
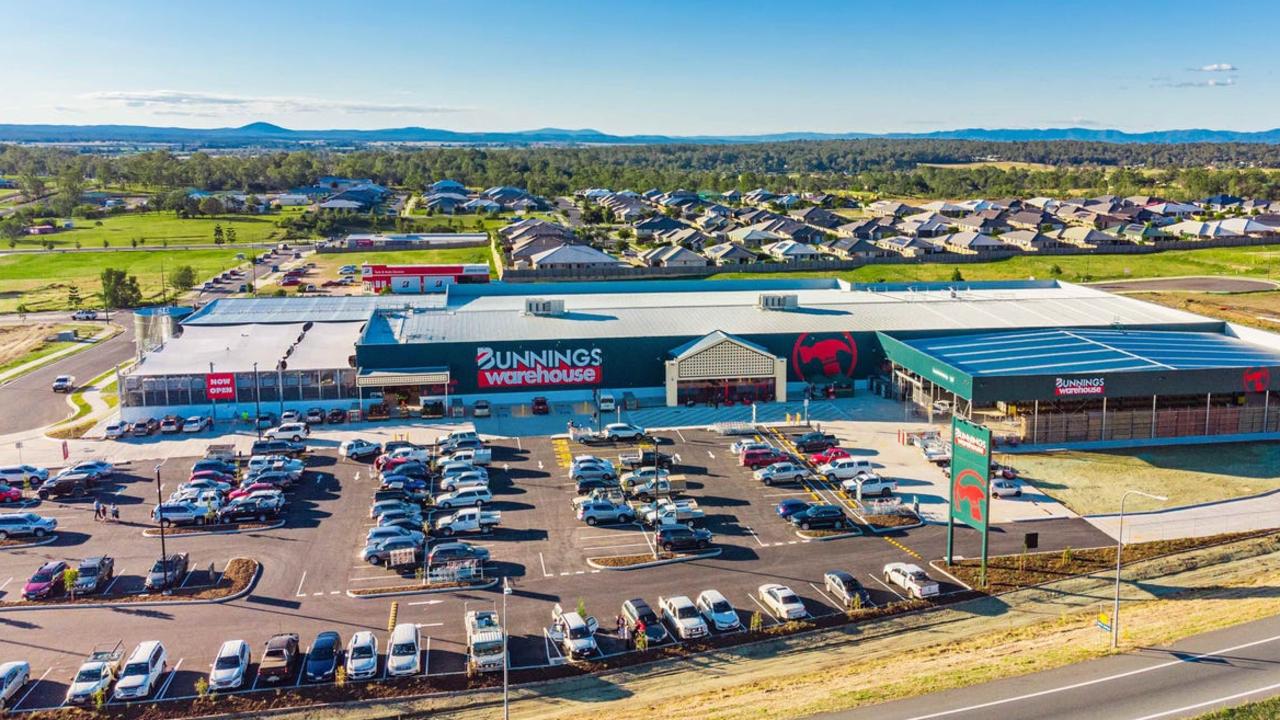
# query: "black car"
[[393, 445], [814, 442], [456, 551], [648, 458], [94, 574], [411, 469], [64, 484], [245, 508], [278, 447], [322, 659], [587, 484], [683, 538], [314, 416], [635, 611], [215, 465], [820, 517], [266, 420], [279, 478], [167, 572], [335, 416], [414, 496]]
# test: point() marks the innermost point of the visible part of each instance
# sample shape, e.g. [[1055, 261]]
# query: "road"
[[39, 406], [1202, 673]]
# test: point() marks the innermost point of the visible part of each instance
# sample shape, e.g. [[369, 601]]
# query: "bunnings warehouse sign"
[[1079, 386], [538, 368], [970, 473]]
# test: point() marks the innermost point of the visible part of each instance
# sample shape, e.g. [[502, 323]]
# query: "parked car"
[[456, 551], [464, 497], [740, 446], [591, 468], [386, 533], [277, 447], [624, 431], [95, 675], [97, 469], [196, 423], [217, 465], [826, 456], [170, 424], [845, 468], [290, 416], [378, 551], [481, 408], [594, 512], [757, 458], [167, 573], [336, 416], [13, 677], [362, 656], [636, 611], [1001, 487], [144, 427], [540, 406], [46, 581], [9, 494], [645, 458], [64, 383], [116, 430], [821, 517], [911, 578], [177, 513], [718, 611], [230, 667], [23, 475], [781, 472], [295, 431], [27, 523], [84, 315], [323, 657], [248, 508], [314, 416], [69, 485], [680, 613], [142, 671], [265, 420], [869, 484], [814, 441], [404, 651], [846, 589], [278, 658], [682, 538], [790, 506], [94, 574], [782, 602]]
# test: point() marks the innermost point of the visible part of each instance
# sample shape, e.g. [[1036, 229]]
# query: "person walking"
[[625, 634], [97, 510], [115, 513]]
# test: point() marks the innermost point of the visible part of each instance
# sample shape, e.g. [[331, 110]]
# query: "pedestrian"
[[640, 628], [115, 513], [617, 623], [626, 635], [97, 509]]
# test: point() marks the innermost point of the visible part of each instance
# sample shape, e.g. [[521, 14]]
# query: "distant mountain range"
[[261, 133]]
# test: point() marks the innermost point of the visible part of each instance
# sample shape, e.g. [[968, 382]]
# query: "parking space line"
[[544, 566], [680, 435], [105, 591], [186, 578], [886, 586], [300, 581], [5, 583], [760, 605], [426, 662], [834, 604], [616, 547], [711, 455], [169, 680], [33, 687], [753, 534], [302, 666]]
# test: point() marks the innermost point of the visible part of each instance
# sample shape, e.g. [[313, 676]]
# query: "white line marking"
[[680, 435], [5, 583], [422, 625], [540, 465], [766, 610], [884, 585], [711, 455], [316, 593], [616, 547], [426, 656], [544, 566], [519, 445], [426, 602], [169, 680], [755, 536], [565, 573], [1215, 701], [302, 666], [335, 592], [33, 687], [300, 581]]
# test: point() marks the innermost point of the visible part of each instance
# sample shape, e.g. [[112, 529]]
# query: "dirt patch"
[[18, 340], [619, 561], [891, 521], [237, 576], [22, 541], [198, 529], [1013, 572]]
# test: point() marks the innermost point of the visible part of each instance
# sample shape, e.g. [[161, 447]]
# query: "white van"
[[845, 468], [607, 403], [404, 652], [141, 674]]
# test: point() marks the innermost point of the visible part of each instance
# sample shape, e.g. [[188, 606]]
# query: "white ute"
[[679, 612]]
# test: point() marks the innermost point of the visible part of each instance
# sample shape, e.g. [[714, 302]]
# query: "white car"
[[740, 446], [718, 611], [781, 472], [295, 431], [679, 612], [911, 578], [290, 416], [845, 468], [623, 431], [782, 602], [230, 667], [142, 672], [116, 430], [464, 482], [1002, 488], [13, 675], [362, 656], [84, 315], [870, 485], [358, 448], [404, 656], [93, 677], [464, 497], [196, 423]]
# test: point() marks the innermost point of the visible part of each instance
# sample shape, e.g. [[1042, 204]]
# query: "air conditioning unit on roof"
[[770, 301], [542, 306]]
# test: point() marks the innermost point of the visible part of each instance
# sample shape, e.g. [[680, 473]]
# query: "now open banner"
[[220, 386]]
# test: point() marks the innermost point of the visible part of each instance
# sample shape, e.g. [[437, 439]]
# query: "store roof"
[[235, 348]]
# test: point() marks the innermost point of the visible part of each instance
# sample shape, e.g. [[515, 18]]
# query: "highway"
[[1202, 673], [39, 405]]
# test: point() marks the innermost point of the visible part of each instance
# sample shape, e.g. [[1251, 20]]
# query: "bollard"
[[391, 620]]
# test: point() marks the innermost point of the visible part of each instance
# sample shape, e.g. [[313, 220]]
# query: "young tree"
[[957, 276], [217, 235], [230, 234], [120, 289], [183, 278], [73, 297]]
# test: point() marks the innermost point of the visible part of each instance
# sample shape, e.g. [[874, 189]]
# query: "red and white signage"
[[536, 368], [420, 278], [1079, 386], [220, 386]]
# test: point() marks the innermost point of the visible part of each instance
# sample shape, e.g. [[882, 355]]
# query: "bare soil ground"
[[18, 340], [1258, 309]]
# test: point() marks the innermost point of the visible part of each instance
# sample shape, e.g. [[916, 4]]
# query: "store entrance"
[[743, 391], [408, 401]]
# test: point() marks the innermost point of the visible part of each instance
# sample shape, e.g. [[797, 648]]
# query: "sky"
[[691, 67]]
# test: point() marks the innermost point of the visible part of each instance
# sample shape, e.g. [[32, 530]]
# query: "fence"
[[1142, 424]]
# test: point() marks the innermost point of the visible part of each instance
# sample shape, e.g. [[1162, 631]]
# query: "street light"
[[506, 658], [257, 401], [160, 520], [1115, 606]]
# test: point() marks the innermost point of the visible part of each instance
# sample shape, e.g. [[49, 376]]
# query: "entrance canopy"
[[1055, 364], [403, 376], [719, 367]]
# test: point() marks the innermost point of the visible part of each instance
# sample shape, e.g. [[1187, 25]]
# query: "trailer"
[[225, 453]]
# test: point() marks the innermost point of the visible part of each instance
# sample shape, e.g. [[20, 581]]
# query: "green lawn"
[[41, 280], [157, 228], [1259, 260], [1093, 482], [47, 348]]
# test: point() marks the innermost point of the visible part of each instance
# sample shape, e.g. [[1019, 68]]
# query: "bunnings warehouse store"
[[1051, 362]]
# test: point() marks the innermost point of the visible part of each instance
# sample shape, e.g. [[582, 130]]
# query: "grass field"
[[1258, 260], [40, 281], [157, 228], [1093, 482]]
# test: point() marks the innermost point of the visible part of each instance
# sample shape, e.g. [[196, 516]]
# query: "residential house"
[[908, 246], [687, 237], [867, 229], [1029, 240], [1139, 233], [447, 203], [818, 217], [852, 248], [891, 208], [446, 186], [990, 222], [970, 243], [336, 204], [792, 251], [729, 253], [1221, 202], [572, 257], [713, 223], [1231, 227], [1174, 209], [759, 196], [925, 224], [1035, 220], [658, 223], [751, 216], [788, 201], [753, 237], [526, 248], [946, 209], [1041, 203], [481, 205], [1087, 237], [732, 197], [672, 256]]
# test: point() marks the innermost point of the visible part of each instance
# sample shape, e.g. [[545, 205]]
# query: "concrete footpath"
[[1256, 512]]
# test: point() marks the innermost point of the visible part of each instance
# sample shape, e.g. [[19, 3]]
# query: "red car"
[[290, 282], [253, 487], [756, 459], [212, 475], [9, 494], [826, 456], [541, 406]]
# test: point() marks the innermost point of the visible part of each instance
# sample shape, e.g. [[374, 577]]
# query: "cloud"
[[1078, 121], [1212, 82], [211, 104], [1216, 67]]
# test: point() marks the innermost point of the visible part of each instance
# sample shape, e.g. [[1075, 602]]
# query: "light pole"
[[164, 557], [213, 400], [506, 658], [257, 401], [1115, 606]]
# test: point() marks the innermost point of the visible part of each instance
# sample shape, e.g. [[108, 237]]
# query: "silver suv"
[[12, 524], [594, 512]]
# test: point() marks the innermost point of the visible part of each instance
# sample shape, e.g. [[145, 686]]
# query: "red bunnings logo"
[[1256, 379], [1079, 386], [816, 357], [969, 495], [533, 368]]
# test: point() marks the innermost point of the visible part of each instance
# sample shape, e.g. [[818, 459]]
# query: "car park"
[[64, 384], [814, 441], [358, 449], [679, 612], [362, 656], [142, 671], [278, 658], [167, 573], [846, 589], [680, 538], [294, 431], [717, 611], [782, 601], [196, 423], [230, 666], [821, 517], [27, 523], [14, 675], [323, 657], [404, 651], [46, 581], [910, 578], [781, 472], [94, 574]]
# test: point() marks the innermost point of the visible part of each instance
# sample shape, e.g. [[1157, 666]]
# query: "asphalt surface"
[[1187, 679], [1205, 283], [311, 563], [39, 405]]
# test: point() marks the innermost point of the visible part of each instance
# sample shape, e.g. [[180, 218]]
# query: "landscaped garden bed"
[[239, 574]]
